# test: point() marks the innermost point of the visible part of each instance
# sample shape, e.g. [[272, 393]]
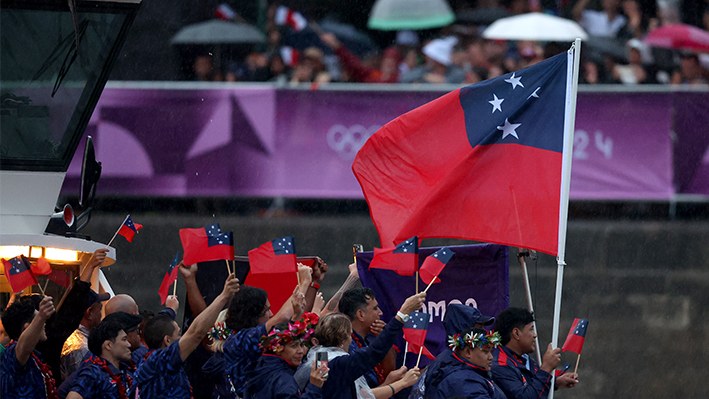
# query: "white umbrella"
[[218, 32], [535, 26]]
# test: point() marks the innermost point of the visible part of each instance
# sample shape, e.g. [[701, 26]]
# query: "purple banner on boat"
[[264, 142], [477, 275]]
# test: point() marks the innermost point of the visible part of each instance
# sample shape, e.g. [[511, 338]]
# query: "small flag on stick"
[[294, 19], [225, 12], [415, 330], [277, 256], [207, 243], [433, 265], [42, 267], [18, 273], [170, 277], [403, 259], [577, 334], [129, 229]]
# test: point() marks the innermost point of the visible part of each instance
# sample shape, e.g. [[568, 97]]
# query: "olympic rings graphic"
[[346, 141]]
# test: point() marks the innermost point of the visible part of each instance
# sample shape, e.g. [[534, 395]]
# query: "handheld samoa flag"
[[483, 162], [169, 278], [42, 267], [128, 229], [403, 259], [415, 330], [433, 265], [294, 19], [207, 243], [18, 273], [277, 256], [577, 334]]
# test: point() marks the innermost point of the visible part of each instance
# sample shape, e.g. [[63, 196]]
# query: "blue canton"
[[283, 246], [161, 375]]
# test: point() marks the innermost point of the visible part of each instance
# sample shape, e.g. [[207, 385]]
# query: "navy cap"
[[127, 320], [93, 297], [460, 318]]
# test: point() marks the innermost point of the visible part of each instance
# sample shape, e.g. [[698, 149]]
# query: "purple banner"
[[476, 275], [265, 142]]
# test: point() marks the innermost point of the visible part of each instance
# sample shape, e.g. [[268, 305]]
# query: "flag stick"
[[316, 28], [417, 284], [43, 294], [419, 358], [46, 283], [569, 121], [119, 229], [228, 270], [431, 283], [529, 303], [406, 350], [174, 288], [577, 363]]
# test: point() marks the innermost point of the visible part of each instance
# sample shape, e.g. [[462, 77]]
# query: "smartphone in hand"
[[320, 360]]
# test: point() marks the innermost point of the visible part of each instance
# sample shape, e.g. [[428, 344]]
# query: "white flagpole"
[[572, 74]]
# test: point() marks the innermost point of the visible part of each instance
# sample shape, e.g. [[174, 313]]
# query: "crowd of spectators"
[[458, 54]]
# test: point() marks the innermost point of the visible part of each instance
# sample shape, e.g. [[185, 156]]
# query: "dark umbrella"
[[355, 40], [482, 16], [597, 47], [218, 33]]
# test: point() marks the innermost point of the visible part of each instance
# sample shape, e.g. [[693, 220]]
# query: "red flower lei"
[[117, 379], [50, 385]]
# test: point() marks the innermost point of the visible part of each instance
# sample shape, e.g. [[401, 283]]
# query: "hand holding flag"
[[403, 259], [574, 341]]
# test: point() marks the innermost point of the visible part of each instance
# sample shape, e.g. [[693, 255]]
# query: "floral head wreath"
[[220, 332], [483, 341], [276, 340]]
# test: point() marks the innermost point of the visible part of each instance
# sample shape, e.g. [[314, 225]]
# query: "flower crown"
[[276, 340], [483, 341], [220, 332]]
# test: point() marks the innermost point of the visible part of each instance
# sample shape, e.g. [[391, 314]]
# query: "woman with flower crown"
[[464, 370], [283, 350]]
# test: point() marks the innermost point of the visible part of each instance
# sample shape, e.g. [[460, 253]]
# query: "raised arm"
[[202, 323], [349, 283], [33, 333], [319, 270], [194, 295]]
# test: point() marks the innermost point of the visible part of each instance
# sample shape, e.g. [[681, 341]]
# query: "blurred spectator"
[[204, 69], [606, 23], [638, 22], [690, 71], [275, 71], [438, 67], [357, 71], [639, 68], [410, 61]]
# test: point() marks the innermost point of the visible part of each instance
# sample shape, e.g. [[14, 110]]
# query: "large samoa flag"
[[482, 162]]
